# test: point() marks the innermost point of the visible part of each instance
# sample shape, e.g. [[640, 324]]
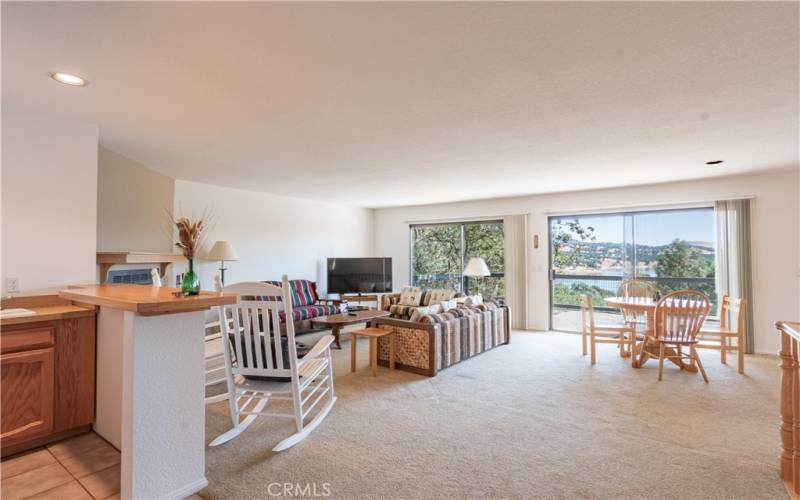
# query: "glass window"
[[439, 253], [593, 254]]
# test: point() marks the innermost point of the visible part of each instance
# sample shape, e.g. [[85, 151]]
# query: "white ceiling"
[[382, 104]]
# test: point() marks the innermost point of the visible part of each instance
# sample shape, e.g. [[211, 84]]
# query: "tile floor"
[[83, 467]]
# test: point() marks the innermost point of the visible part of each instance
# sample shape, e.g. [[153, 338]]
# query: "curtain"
[[734, 263], [515, 230]]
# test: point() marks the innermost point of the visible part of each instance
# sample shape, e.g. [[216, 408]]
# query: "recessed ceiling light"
[[714, 162], [69, 79]]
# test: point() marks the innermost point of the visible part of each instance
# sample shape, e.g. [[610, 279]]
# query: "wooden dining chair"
[[603, 333], [678, 318], [731, 326], [636, 288], [256, 350]]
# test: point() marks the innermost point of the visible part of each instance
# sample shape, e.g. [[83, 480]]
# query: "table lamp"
[[222, 251]]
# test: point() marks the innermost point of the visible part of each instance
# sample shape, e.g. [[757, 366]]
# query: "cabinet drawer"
[[22, 340]]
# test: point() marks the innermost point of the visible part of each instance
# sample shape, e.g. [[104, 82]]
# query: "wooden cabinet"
[[27, 397], [48, 380]]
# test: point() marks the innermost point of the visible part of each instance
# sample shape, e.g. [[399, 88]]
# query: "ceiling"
[[385, 104]]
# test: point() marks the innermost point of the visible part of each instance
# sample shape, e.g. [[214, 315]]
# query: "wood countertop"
[[47, 307], [146, 300]]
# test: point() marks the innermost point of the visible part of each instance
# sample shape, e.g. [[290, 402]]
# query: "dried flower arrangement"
[[190, 239], [190, 234]]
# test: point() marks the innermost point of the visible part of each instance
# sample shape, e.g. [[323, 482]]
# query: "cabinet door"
[[75, 348], [27, 395]]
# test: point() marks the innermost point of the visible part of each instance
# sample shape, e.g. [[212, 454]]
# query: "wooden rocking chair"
[[255, 348]]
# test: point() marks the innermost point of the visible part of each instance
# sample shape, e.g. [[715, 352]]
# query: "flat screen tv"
[[360, 275]]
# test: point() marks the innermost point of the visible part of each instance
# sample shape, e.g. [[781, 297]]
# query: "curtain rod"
[[462, 219], [644, 206]]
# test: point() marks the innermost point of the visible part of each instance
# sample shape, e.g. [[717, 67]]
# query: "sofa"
[[437, 341], [391, 301], [306, 304]]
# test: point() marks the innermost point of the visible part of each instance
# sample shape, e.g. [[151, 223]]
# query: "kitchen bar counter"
[[150, 384], [145, 300]]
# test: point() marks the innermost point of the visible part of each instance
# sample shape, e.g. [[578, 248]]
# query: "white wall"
[[273, 234], [49, 205], [133, 203], [775, 232]]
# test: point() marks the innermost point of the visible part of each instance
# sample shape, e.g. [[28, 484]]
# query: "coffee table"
[[336, 321]]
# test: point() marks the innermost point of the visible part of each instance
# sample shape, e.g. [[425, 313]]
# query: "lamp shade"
[[477, 267], [222, 250]]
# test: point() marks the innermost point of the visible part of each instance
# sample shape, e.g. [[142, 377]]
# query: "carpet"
[[528, 420]]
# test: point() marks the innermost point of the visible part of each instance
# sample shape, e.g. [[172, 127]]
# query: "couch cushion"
[[410, 296], [401, 311], [304, 292], [423, 310], [437, 295], [307, 312]]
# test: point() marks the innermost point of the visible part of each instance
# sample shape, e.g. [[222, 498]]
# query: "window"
[[439, 253], [592, 254]]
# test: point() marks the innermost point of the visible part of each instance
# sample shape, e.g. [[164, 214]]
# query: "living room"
[[485, 213]]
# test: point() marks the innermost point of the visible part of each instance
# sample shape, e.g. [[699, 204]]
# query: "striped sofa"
[[438, 341], [391, 302], [306, 304]]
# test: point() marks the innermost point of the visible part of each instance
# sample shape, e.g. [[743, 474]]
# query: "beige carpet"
[[527, 420]]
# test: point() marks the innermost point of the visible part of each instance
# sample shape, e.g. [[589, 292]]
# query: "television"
[[360, 275]]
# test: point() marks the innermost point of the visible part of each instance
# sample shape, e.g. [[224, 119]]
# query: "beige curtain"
[[734, 265], [515, 228]]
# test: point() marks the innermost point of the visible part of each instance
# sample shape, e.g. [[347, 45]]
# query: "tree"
[[570, 235], [681, 260]]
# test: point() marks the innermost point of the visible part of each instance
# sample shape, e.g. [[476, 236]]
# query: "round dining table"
[[638, 306]]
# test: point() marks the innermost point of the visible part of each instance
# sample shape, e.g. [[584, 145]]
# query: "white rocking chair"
[[256, 337]]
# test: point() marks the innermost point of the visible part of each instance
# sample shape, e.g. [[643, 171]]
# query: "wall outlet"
[[12, 285]]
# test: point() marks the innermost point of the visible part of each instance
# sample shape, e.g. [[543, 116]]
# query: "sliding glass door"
[[593, 254], [440, 252]]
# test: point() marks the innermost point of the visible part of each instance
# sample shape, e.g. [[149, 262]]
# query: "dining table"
[[645, 306]]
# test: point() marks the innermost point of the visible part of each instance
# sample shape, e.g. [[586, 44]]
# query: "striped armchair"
[[438, 341]]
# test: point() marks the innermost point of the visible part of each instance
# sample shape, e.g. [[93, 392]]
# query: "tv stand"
[[359, 297]]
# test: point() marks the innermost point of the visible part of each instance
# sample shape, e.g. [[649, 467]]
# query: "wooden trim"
[[789, 460]]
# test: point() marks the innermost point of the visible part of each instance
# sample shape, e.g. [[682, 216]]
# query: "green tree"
[[568, 240], [679, 259]]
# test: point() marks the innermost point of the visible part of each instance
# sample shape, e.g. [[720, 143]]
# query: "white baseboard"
[[189, 489]]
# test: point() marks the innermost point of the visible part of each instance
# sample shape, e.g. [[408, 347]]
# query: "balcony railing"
[[567, 288], [606, 286]]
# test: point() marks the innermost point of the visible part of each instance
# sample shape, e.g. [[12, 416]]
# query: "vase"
[[191, 282]]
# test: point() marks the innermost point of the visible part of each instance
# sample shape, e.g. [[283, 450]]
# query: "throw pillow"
[[410, 296], [423, 311], [449, 304], [473, 300], [438, 295]]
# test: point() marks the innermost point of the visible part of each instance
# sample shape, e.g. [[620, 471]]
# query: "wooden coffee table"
[[336, 321]]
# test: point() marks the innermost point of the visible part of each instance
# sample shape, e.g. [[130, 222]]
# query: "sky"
[[655, 228]]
